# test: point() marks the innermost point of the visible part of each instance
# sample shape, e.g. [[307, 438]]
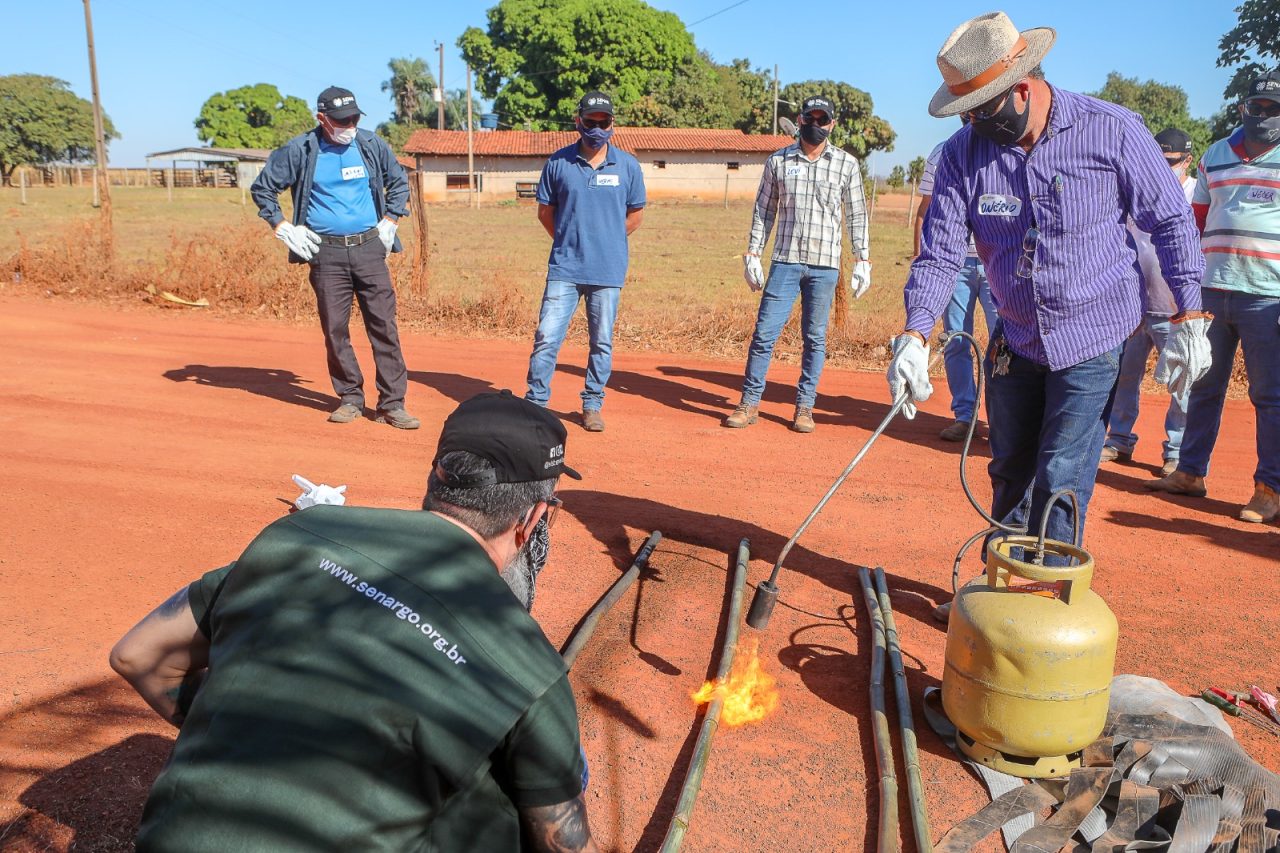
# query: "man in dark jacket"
[[348, 193]]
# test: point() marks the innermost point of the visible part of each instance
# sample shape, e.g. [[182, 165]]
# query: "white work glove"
[[387, 233], [860, 281], [909, 372], [1186, 356], [753, 272], [321, 494], [302, 241]]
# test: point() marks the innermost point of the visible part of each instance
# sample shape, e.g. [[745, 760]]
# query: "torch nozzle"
[[762, 605]]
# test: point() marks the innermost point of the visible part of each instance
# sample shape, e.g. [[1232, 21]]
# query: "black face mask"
[[814, 134], [521, 574], [1007, 126], [1263, 129]]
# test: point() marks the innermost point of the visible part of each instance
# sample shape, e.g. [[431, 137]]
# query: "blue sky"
[[159, 61]]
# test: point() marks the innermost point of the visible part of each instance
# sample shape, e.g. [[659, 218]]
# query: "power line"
[[713, 14]]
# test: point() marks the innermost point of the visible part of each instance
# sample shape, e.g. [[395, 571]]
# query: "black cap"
[[595, 102], [337, 102], [522, 441], [1174, 141], [1267, 86], [818, 102]]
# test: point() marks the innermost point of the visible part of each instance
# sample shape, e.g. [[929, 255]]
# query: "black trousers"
[[337, 274]]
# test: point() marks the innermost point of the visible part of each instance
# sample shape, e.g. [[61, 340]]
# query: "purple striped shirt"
[[1095, 166]]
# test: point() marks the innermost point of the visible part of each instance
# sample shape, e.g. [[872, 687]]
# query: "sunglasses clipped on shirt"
[[1027, 263], [1256, 108], [592, 123]]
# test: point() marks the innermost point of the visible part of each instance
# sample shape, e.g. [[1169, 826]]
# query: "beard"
[[521, 573]]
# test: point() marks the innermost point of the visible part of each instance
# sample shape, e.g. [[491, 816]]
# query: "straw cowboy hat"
[[982, 58]]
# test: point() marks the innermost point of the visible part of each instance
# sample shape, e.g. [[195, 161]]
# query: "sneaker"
[[1111, 454], [803, 421], [1179, 483], [398, 418], [1169, 466], [942, 613], [743, 416], [344, 414], [956, 432], [592, 421], [1263, 506]]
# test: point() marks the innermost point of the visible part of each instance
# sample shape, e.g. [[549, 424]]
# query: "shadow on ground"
[[283, 385]]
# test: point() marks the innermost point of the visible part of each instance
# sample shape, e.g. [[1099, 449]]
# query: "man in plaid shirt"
[[809, 188]]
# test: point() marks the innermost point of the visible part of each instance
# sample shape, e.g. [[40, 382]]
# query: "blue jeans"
[[1046, 433], [971, 289], [1153, 332], [816, 287], [559, 301], [1239, 319]]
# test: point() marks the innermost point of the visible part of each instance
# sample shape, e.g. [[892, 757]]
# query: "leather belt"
[[350, 240]]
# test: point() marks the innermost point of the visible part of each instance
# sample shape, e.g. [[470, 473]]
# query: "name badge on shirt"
[[794, 170], [1263, 194], [351, 173], [607, 181], [993, 204]]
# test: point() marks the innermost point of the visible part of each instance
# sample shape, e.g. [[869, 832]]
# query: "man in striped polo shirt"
[[1237, 207], [1046, 179], [809, 188]]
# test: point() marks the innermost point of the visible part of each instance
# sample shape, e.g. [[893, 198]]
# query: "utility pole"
[[472, 201], [440, 86], [775, 97], [102, 191]]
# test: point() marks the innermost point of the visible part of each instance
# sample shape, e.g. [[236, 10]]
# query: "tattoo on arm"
[[560, 827], [173, 605]]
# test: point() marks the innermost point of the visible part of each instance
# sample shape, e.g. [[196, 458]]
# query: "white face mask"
[[341, 135]]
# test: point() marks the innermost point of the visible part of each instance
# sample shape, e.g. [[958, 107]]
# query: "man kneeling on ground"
[[364, 679]]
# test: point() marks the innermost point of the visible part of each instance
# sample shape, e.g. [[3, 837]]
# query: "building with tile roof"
[[685, 163]]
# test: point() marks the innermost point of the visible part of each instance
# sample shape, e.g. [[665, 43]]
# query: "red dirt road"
[[143, 447]]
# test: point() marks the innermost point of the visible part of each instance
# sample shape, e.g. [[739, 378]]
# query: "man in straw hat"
[[1046, 180]]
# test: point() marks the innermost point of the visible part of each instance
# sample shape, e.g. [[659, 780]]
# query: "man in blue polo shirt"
[[348, 193], [590, 199]]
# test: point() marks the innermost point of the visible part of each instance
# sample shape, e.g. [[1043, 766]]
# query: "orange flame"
[[748, 693]]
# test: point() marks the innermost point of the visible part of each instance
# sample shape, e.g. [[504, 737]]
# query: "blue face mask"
[[595, 136]]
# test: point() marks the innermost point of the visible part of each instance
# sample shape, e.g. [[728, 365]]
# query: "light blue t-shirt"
[[341, 202], [590, 244]]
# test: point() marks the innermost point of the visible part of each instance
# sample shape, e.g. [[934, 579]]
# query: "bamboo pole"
[[910, 751], [887, 820], [578, 639], [702, 749]]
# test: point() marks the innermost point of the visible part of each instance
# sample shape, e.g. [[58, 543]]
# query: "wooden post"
[[775, 100], [173, 176], [472, 201], [22, 182], [101, 185], [726, 190], [440, 86], [417, 189], [911, 201]]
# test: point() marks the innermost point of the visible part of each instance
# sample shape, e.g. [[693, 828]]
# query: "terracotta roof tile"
[[525, 143]]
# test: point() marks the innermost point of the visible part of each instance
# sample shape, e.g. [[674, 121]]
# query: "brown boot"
[[803, 421], [743, 416], [592, 421], [1263, 507], [1178, 483]]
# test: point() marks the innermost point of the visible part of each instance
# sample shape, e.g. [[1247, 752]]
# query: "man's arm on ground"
[[559, 827], [164, 657], [547, 216], [634, 217]]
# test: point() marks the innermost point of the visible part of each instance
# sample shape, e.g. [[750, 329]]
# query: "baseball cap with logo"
[[521, 440], [1174, 141], [337, 102], [1267, 86], [595, 102], [818, 102]]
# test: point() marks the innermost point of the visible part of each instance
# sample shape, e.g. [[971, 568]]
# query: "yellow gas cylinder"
[[1030, 654]]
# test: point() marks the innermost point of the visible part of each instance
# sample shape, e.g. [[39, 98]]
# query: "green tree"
[[915, 170], [455, 118], [897, 177], [538, 56], [1160, 105], [42, 121], [411, 86], [704, 93], [1253, 46], [858, 129], [252, 117]]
